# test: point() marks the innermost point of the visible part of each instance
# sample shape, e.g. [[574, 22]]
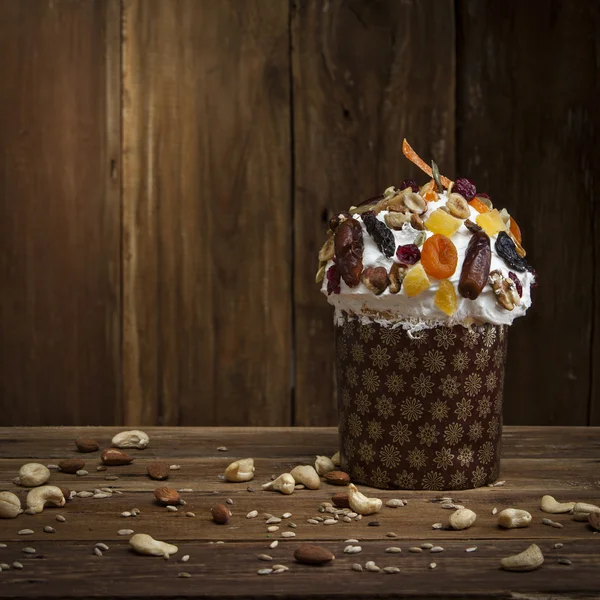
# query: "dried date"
[[348, 242], [379, 231], [476, 266]]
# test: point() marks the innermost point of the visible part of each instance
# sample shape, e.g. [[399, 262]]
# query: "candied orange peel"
[[417, 160]]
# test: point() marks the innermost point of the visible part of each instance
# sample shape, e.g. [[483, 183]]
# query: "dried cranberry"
[[411, 183], [517, 283], [465, 187], [408, 254], [333, 280]]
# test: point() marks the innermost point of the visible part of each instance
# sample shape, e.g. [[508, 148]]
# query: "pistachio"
[[327, 251]]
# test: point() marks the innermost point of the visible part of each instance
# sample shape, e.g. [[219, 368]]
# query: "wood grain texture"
[[529, 139], [365, 76], [561, 461], [207, 307], [59, 212]]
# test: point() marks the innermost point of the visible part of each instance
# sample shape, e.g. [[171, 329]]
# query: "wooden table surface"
[[563, 462]]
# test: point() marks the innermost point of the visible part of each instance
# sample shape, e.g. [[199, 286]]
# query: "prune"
[[408, 254], [411, 183], [476, 266], [506, 248], [517, 283], [348, 242], [465, 187], [333, 280], [379, 231]]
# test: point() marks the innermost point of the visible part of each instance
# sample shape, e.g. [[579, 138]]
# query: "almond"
[[113, 457], [340, 500], [337, 477], [71, 465], [220, 514], [158, 470], [167, 495], [309, 554], [84, 444]]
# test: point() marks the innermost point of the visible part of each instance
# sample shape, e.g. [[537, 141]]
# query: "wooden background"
[[168, 167]]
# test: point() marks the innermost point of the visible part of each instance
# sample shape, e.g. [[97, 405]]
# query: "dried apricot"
[[515, 230], [416, 281], [478, 205], [445, 298], [439, 256]]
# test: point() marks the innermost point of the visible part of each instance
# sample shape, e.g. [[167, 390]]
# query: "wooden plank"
[[60, 212], [207, 309], [530, 141], [365, 75]]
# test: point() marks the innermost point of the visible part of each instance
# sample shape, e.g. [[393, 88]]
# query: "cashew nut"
[[285, 484], [131, 439], [146, 544], [528, 560], [584, 507], [32, 475], [360, 504], [306, 475], [462, 519], [550, 505], [10, 505], [240, 470], [323, 465], [581, 516], [511, 518], [335, 459], [40, 496]]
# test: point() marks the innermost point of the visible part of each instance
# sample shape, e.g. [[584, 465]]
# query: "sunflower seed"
[[547, 521], [190, 514], [3, 545], [222, 449], [471, 549], [98, 552], [184, 575], [111, 478], [81, 473], [288, 534], [101, 495], [313, 521], [126, 514], [432, 565], [357, 567], [273, 520], [564, 561], [264, 571], [250, 489], [60, 518], [55, 467], [351, 541], [272, 529], [353, 549], [187, 490], [437, 526], [17, 565], [100, 468], [85, 494], [373, 523], [252, 514], [171, 508], [436, 549], [393, 550], [264, 557], [558, 545], [28, 550], [184, 558], [329, 522], [351, 515], [498, 483], [371, 566], [427, 546], [4, 566], [102, 546], [494, 510], [125, 531], [174, 467], [25, 531], [274, 544], [391, 570], [292, 525], [394, 503], [299, 486], [228, 501], [448, 505], [415, 550], [557, 525], [286, 515], [391, 534], [48, 529]]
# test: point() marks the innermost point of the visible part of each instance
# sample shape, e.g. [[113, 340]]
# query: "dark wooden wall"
[[168, 166]]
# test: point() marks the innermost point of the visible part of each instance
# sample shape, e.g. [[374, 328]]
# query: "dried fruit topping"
[[506, 248], [376, 279], [484, 199], [327, 251], [416, 222], [408, 254], [348, 242], [516, 230], [458, 206], [520, 250], [491, 222], [419, 239], [517, 283], [465, 187], [442, 222], [476, 266], [379, 231], [478, 205], [445, 298], [505, 290], [337, 219], [416, 281], [428, 191], [396, 276], [415, 203], [472, 227], [417, 160], [439, 256], [410, 183], [395, 220], [333, 280]]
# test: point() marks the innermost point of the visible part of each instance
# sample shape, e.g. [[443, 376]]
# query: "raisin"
[[476, 266], [333, 280], [465, 187], [506, 248], [408, 254], [380, 232], [348, 242], [517, 283], [410, 183]]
